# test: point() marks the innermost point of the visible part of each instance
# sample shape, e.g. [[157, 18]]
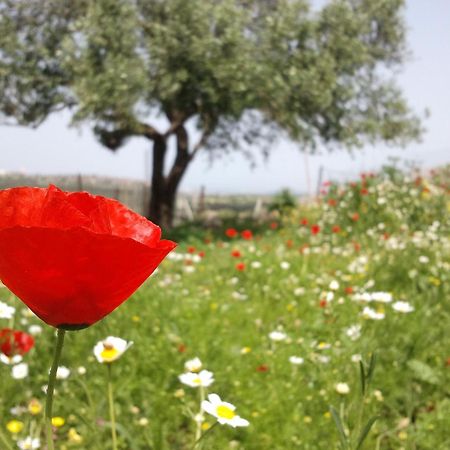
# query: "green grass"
[[211, 310]]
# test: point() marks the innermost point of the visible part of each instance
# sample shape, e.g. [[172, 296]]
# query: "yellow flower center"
[[58, 421], [109, 353], [197, 380], [34, 407], [224, 412], [14, 426]]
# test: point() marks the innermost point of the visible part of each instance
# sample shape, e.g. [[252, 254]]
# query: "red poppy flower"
[[262, 368], [231, 232], [355, 217], [336, 229], [332, 202], [236, 254], [74, 257], [273, 225], [191, 250], [304, 221], [315, 229], [240, 266], [247, 234], [14, 342]]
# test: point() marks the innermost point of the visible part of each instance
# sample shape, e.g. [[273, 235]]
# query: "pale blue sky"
[[55, 148]]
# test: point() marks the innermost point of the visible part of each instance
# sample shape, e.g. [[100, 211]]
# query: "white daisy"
[[342, 388], [110, 349], [353, 332], [6, 311], [296, 360], [403, 307], [204, 378], [62, 373], [369, 313], [29, 443], [193, 365], [35, 330], [19, 371], [277, 336], [224, 412], [10, 360]]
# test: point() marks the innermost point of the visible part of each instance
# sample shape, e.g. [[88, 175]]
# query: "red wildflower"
[[273, 225], [181, 348], [332, 202], [247, 235], [240, 266], [72, 258], [355, 217], [349, 290], [336, 229], [231, 232], [236, 254], [323, 303], [191, 250], [289, 243], [315, 229], [364, 191], [304, 221], [262, 368], [201, 254], [14, 342]]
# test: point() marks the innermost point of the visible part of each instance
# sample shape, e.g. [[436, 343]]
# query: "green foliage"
[[232, 65], [283, 202]]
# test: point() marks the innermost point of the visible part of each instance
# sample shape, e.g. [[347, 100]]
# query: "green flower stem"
[[51, 387], [198, 431], [4, 441], [112, 413], [203, 435]]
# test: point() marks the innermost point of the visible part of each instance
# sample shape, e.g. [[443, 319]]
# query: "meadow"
[[285, 314]]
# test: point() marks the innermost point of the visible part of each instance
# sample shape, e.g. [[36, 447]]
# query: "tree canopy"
[[244, 71]]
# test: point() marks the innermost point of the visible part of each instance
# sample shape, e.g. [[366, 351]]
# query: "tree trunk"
[[164, 188], [158, 181]]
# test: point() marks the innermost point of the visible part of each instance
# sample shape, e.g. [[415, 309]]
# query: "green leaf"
[[340, 427], [363, 377], [373, 360], [365, 432]]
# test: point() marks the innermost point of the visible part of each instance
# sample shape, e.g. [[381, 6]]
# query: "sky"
[[56, 148]]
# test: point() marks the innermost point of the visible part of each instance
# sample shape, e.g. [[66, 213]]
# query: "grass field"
[[363, 272]]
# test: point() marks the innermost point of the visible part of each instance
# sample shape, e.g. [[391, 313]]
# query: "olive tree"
[[242, 72]]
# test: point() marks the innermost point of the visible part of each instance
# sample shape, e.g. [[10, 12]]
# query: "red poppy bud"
[[73, 258], [236, 254], [14, 342]]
